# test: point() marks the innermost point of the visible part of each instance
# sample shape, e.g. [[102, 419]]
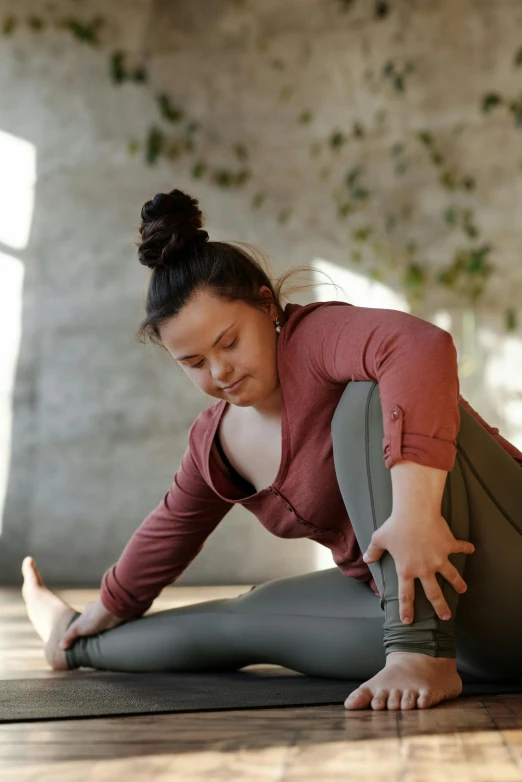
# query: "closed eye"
[[196, 366]]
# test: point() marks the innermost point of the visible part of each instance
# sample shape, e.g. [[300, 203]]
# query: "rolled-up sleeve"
[[414, 362], [164, 544]]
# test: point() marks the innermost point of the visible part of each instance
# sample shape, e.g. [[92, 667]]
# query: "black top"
[[236, 477]]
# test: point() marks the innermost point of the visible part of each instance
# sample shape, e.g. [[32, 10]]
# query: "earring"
[[277, 326]]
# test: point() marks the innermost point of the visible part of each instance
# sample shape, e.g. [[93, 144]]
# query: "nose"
[[223, 376]]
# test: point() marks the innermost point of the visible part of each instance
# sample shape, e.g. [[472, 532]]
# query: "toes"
[[359, 699], [380, 699], [409, 699], [425, 700], [26, 566], [30, 571], [394, 700]]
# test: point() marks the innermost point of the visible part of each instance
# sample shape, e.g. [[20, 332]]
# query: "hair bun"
[[170, 223]]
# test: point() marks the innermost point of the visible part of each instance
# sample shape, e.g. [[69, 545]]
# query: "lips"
[[232, 387]]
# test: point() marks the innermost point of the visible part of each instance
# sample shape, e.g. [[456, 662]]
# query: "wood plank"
[[475, 739]]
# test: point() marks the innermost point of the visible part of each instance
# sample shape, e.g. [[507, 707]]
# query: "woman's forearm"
[[417, 488]]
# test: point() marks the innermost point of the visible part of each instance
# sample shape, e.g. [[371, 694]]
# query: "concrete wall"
[[93, 424]]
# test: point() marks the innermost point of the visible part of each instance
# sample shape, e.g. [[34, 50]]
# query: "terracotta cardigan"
[[321, 347]]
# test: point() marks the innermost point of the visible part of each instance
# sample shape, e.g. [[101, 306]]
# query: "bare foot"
[[49, 614], [408, 680]]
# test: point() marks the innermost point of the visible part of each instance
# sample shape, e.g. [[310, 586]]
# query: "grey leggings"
[[326, 624]]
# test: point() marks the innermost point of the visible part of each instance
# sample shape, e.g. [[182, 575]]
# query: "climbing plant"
[[173, 133]]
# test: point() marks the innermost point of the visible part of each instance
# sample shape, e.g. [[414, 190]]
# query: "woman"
[[338, 423]]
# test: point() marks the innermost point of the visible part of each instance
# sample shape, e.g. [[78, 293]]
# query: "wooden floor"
[[475, 739]]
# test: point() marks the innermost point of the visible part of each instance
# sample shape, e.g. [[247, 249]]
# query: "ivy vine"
[[470, 268]]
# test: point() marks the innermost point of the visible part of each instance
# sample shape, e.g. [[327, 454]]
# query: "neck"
[[270, 407]]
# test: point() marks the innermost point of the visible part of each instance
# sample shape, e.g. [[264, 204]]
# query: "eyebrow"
[[183, 358]]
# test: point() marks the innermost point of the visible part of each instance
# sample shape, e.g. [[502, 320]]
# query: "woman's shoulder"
[[305, 321]]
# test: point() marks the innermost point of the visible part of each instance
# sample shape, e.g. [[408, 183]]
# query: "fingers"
[[373, 553], [73, 631], [406, 599], [435, 596], [463, 547], [432, 590], [452, 575]]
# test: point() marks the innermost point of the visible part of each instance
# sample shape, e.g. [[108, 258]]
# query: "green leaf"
[[382, 9], [87, 33], [448, 179], [451, 215], [397, 149], [305, 117], [154, 144], [242, 176], [240, 151], [471, 230], [222, 177], [414, 276], [337, 139], [167, 109], [343, 210], [35, 23], [437, 158], [362, 234], [360, 194], [510, 320], [490, 100], [399, 83], [352, 175], [198, 170], [358, 130], [117, 67], [9, 25], [140, 75], [258, 199], [425, 138]]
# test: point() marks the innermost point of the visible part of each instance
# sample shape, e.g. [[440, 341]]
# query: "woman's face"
[[246, 347]]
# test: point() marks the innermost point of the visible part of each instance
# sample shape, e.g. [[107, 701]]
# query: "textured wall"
[[94, 424]]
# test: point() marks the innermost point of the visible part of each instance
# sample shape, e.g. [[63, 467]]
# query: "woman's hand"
[[94, 619], [420, 546]]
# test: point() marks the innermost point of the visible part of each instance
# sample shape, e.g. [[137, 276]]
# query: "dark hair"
[[184, 263]]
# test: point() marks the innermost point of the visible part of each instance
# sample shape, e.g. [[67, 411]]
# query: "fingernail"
[[61, 645], [407, 620], [446, 616]]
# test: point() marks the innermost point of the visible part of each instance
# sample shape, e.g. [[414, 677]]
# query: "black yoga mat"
[[109, 694]]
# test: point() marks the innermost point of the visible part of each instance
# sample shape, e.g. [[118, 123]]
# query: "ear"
[[269, 300]]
